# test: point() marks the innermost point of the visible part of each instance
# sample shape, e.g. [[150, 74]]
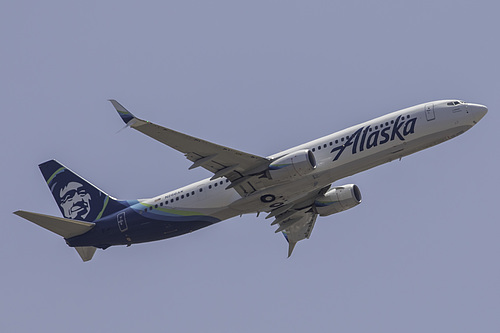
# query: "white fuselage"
[[338, 155]]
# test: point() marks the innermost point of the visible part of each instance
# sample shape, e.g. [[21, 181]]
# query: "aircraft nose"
[[477, 110]]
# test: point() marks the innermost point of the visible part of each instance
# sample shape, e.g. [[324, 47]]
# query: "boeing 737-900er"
[[293, 186]]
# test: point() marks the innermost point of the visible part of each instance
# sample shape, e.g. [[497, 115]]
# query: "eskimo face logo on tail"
[[75, 201], [76, 198], [368, 137]]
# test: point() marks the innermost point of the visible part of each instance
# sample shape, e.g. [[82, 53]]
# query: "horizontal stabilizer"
[[63, 227]]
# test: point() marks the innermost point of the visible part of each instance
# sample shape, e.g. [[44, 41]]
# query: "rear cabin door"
[[429, 112], [122, 222]]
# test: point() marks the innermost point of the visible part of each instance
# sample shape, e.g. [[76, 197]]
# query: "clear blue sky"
[[420, 254]]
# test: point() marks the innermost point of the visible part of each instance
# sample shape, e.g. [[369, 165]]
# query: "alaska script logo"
[[361, 140]]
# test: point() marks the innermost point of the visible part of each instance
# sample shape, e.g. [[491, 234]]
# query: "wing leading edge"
[[241, 168]]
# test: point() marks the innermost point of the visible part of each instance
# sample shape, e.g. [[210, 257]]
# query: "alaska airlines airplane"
[[293, 186]]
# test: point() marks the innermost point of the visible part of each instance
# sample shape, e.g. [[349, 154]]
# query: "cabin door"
[[429, 112], [122, 222]]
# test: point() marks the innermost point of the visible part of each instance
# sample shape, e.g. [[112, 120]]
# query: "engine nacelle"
[[338, 199], [293, 165]]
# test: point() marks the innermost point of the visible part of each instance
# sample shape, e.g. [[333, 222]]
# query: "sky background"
[[420, 254]]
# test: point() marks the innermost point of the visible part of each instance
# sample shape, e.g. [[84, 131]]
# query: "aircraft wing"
[[297, 218], [297, 227], [242, 169]]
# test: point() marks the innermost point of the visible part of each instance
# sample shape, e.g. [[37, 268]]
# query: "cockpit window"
[[454, 103]]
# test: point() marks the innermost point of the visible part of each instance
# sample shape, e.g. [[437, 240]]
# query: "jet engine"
[[293, 165], [337, 199]]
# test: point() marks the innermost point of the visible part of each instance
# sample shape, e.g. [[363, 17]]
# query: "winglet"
[[291, 246], [126, 116]]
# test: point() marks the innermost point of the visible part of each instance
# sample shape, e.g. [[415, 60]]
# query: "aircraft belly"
[[139, 229], [156, 230]]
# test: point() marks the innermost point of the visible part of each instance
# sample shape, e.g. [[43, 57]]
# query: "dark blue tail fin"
[[77, 198]]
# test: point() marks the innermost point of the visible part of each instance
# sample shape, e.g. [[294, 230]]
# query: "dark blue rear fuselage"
[[128, 227]]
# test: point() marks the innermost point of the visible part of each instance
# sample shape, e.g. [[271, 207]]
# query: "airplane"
[[293, 187]]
